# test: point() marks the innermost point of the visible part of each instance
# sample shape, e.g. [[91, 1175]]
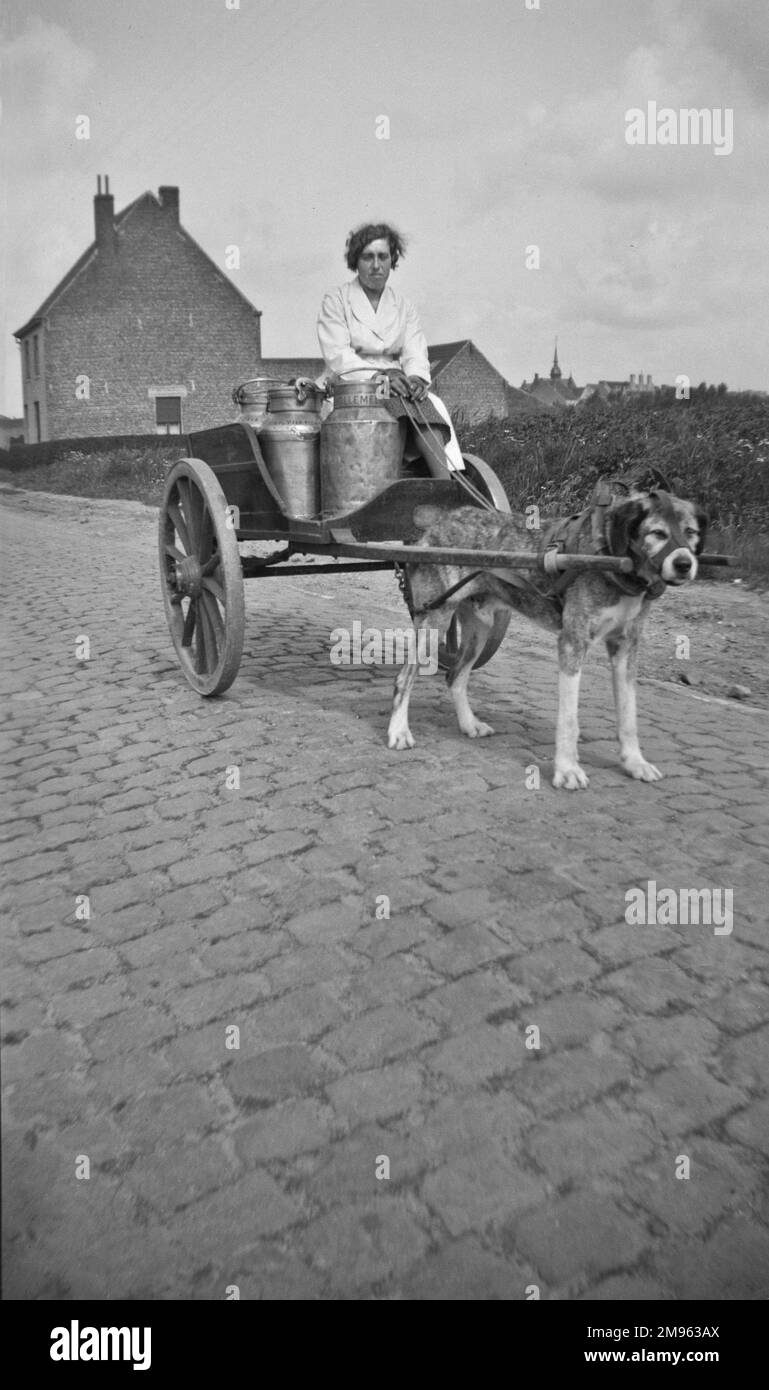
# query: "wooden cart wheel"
[[488, 483], [202, 577]]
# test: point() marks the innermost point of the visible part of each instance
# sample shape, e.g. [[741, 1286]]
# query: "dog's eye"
[[661, 535], [691, 531]]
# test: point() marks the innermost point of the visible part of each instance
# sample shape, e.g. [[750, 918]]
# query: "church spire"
[[555, 371]]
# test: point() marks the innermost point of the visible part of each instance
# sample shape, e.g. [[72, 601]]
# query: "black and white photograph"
[[384, 511]]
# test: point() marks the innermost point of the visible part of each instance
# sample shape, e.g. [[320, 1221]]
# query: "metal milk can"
[[361, 447], [289, 438]]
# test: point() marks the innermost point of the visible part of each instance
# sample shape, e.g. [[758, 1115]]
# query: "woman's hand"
[[399, 383], [419, 388], [411, 388]]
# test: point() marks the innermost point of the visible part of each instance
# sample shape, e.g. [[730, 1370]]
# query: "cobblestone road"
[[361, 1038]]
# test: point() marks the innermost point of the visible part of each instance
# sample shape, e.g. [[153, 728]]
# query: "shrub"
[[135, 474], [714, 448]]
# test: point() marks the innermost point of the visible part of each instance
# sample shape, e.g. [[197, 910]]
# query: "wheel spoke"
[[206, 639], [207, 536], [211, 564], [185, 507], [174, 511], [192, 508], [212, 587], [209, 607], [175, 552], [189, 624]]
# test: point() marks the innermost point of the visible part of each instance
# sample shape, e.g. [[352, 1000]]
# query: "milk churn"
[[252, 398], [289, 438], [361, 447]]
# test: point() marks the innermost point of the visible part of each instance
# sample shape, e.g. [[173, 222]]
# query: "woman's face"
[[375, 264]]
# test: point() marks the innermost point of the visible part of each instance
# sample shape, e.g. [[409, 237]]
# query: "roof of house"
[[12, 420], [291, 366], [440, 354], [548, 392], [524, 401], [90, 252]]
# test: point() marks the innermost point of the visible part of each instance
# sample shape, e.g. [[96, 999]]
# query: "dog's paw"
[[642, 771], [571, 779], [403, 738], [477, 729]]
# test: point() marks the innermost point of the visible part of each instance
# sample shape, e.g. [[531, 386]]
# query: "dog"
[[662, 534]]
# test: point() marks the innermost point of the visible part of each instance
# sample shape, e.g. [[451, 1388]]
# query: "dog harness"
[[588, 533]]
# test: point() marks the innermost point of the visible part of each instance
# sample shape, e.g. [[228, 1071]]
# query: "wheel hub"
[[189, 575]]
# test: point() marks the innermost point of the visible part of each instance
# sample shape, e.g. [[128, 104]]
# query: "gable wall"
[[155, 315], [469, 383]]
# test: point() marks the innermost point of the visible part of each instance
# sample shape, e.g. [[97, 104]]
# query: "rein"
[[416, 415]]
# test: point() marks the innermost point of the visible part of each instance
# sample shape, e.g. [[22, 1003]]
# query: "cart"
[[223, 495]]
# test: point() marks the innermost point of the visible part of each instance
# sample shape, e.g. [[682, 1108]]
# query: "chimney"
[[649, 380], [632, 378], [104, 219], [169, 201]]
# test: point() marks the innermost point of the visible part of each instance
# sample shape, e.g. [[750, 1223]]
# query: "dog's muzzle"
[[675, 563], [678, 565]]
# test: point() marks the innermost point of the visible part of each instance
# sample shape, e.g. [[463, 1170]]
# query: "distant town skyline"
[[494, 134]]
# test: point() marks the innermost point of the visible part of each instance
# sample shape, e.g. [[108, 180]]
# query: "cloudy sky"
[[506, 130]]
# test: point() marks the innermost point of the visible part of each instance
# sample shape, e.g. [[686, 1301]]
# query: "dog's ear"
[[702, 522], [623, 520]]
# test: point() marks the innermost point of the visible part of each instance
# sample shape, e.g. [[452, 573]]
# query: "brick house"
[[461, 375], [145, 334], [466, 380]]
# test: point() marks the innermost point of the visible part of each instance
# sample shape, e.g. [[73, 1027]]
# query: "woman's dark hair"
[[373, 231]]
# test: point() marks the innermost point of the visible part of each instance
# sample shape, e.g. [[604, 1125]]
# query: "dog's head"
[[664, 532]]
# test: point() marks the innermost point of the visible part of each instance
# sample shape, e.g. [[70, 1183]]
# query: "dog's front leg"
[[568, 773], [399, 734], [623, 653]]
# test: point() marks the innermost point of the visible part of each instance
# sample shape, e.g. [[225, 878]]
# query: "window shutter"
[[168, 410]]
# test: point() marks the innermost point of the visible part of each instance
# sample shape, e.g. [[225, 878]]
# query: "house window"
[[27, 371], [36, 355], [37, 422], [168, 414]]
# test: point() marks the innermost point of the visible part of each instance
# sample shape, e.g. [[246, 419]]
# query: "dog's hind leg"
[[434, 624], [568, 773], [623, 653], [476, 621]]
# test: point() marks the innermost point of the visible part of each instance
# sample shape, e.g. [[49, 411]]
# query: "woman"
[[367, 328]]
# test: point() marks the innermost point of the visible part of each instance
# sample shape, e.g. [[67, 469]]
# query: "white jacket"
[[354, 334]]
